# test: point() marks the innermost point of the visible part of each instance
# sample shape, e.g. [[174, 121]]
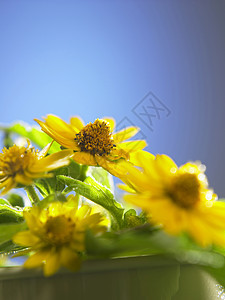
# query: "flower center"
[[16, 159], [95, 138], [59, 230], [185, 190]]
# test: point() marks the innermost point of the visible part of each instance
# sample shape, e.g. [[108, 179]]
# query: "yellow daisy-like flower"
[[176, 198], [56, 235], [21, 165], [94, 144]]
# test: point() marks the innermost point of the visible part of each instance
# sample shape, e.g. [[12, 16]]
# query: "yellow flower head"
[[176, 198], [21, 165], [94, 144], [56, 235]]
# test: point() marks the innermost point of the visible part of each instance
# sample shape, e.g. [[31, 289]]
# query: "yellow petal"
[[111, 122], [20, 178], [189, 168], [214, 216], [51, 162], [92, 220], [84, 158], [36, 260], [77, 123], [132, 146], [198, 230], [164, 166], [52, 263], [29, 174], [78, 240], [58, 137], [70, 259], [117, 168], [117, 153], [32, 217], [136, 178], [44, 151], [83, 212], [8, 184], [25, 238], [55, 209], [59, 126], [125, 134], [141, 201], [125, 188], [141, 158]]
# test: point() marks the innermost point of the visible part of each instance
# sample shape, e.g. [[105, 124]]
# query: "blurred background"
[[157, 64]]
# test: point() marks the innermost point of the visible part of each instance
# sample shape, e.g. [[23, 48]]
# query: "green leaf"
[[43, 186], [144, 240], [98, 194], [9, 214], [132, 220], [34, 134], [15, 200], [7, 139], [124, 243], [47, 186], [9, 247], [74, 170], [4, 201], [7, 231], [102, 176]]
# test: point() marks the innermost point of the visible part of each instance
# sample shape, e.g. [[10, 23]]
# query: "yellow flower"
[[176, 198], [21, 165], [94, 144], [56, 235]]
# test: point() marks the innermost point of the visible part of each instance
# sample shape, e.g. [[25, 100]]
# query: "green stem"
[[32, 194], [83, 172]]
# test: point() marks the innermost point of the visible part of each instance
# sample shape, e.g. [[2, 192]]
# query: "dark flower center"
[[185, 190], [95, 138]]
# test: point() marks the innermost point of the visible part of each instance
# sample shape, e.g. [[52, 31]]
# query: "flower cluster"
[[71, 213]]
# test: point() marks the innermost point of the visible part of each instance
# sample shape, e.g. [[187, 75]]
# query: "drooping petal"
[[53, 161], [29, 173], [23, 179], [58, 137], [117, 168], [117, 153], [84, 158], [8, 184]]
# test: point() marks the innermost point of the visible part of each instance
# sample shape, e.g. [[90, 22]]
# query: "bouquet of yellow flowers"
[[71, 213]]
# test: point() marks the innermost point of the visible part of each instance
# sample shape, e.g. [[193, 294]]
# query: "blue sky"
[[101, 58]]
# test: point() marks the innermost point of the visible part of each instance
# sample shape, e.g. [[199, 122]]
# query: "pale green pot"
[[133, 278]]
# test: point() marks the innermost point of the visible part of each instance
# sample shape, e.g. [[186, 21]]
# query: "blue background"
[[98, 58]]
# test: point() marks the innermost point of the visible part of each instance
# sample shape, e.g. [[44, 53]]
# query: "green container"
[[131, 278]]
